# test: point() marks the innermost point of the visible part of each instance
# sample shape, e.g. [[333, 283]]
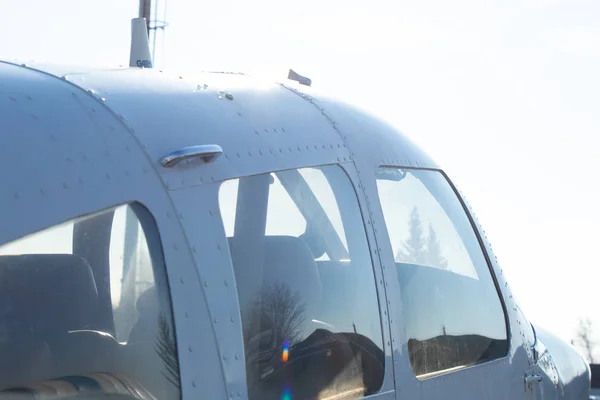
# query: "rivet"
[[224, 356], [210, 212], [181, 280], [93, 109], [102, 99], [280, 150], [239, 113], [260, 152], [274, 129], [12, 98], [35, 117], [175, 247], [307, 148], [205, 284], [239, 394], [81, 181], [42, 191], [232, 320], [215, 320], [266, 131], [226, 284], [168, 214], [187, 315], [65, 186], [237, 357], [190, 349], [194, 383], [219, 246], [255, 131], [238, 154], [250, 153], [17, 196], [194, 249], [180, 215]]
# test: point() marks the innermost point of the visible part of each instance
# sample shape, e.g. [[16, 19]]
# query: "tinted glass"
[[453, 315], [85, 308], [306, 287]]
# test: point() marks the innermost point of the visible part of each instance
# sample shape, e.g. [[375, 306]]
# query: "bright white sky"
[[504, 94]]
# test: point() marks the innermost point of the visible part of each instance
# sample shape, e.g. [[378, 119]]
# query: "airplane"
[[214, 236]]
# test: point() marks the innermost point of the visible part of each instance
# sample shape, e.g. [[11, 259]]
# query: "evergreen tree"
[[413, 249], [434, 252]]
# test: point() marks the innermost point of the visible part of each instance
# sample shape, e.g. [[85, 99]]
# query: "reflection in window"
[[305, 283], [453, 315], [84, 305]]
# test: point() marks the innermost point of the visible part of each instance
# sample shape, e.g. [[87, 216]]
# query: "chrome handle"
[[207, 153], [533, 378]]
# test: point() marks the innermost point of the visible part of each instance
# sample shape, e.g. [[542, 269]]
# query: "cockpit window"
[[305, 282], [452, 311], [85, 306]]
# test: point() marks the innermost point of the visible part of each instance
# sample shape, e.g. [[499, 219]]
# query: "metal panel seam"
[[143, 149], [369, 214]]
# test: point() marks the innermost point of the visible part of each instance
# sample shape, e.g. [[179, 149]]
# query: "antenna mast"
[[154, 12], [145, 7]]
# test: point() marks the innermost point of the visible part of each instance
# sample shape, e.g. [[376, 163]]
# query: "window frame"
[[388, 382], [486, 256], [156, 252]]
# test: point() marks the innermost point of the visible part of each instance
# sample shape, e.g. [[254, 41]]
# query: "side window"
[[305, 282], [452, 311], [85, 306]]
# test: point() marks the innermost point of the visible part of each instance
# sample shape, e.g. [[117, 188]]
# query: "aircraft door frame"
[[390, 386], [198, 206], [504, 376]]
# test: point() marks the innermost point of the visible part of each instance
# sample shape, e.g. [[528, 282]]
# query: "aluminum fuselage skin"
[[74, 141]]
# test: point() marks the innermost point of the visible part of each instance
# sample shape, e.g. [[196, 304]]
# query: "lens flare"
[[286, 353], [286, 395]]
